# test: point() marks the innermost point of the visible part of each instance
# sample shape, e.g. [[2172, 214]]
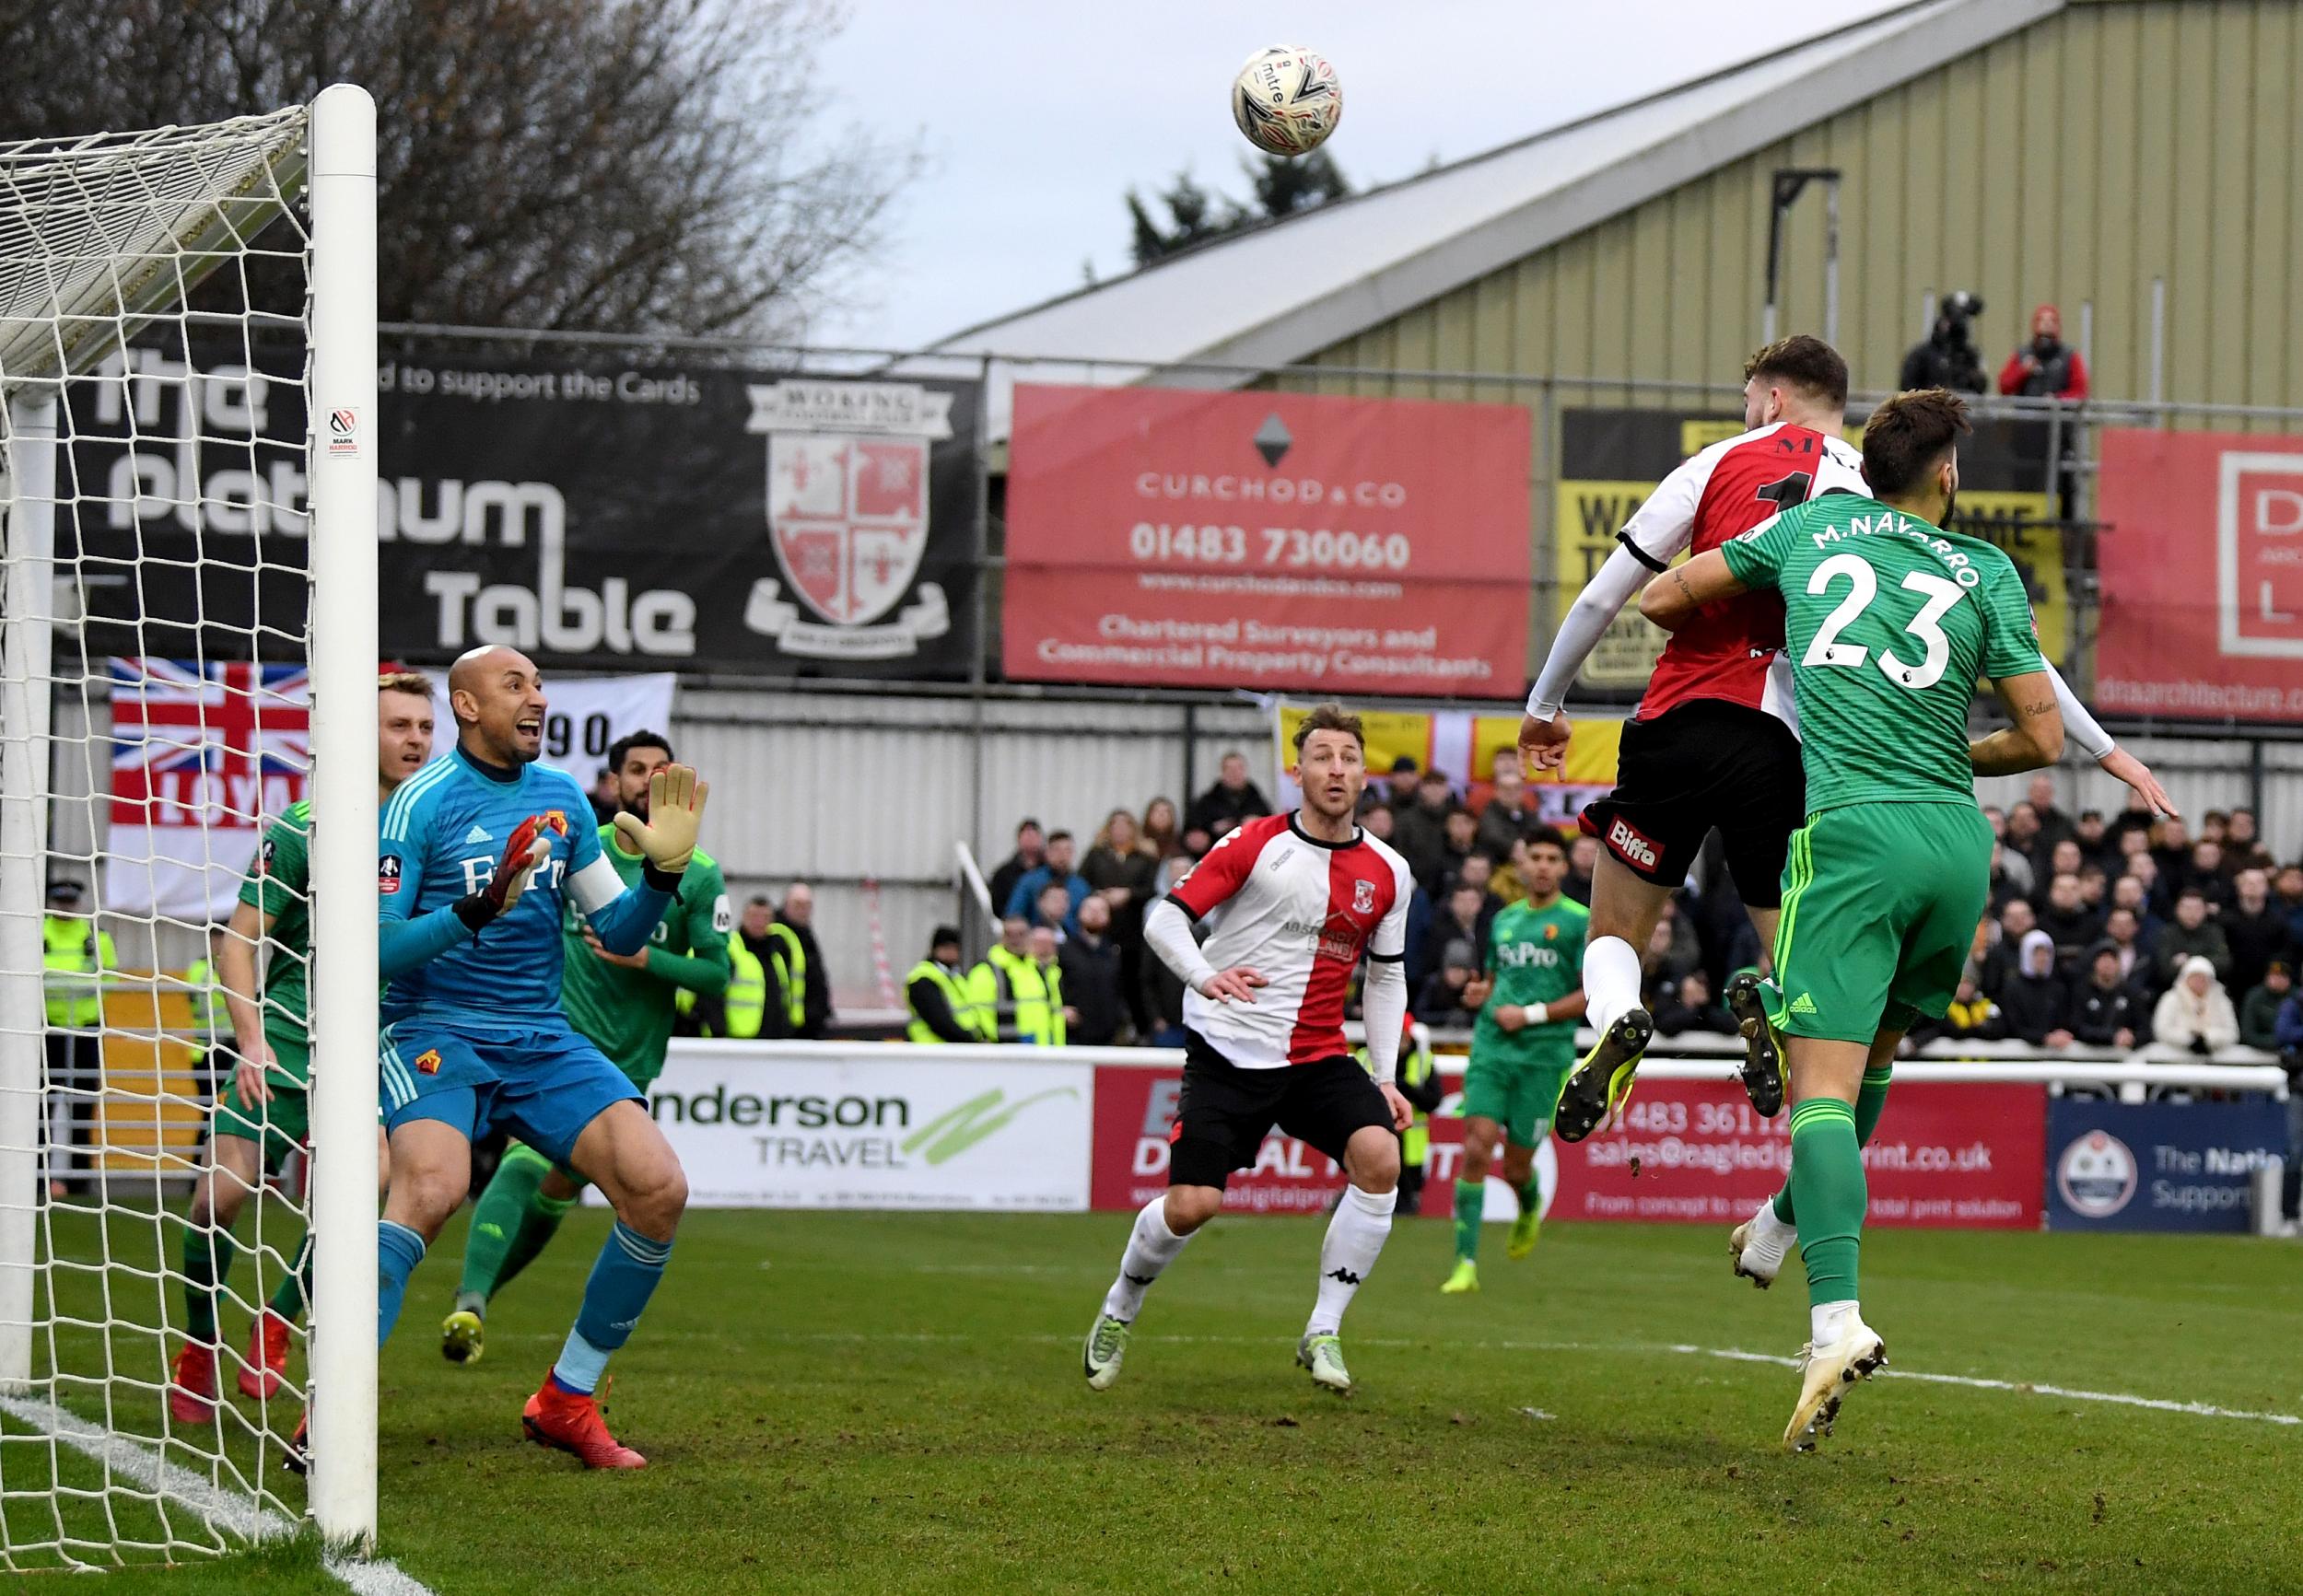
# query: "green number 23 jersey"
[[1887, 621]]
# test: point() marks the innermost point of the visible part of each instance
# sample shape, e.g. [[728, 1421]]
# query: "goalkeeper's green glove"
[[666, 839]]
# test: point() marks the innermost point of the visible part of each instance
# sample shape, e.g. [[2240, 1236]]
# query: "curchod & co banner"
[[1168, 537], [861, 1126], [592, 514], [2202, 561]]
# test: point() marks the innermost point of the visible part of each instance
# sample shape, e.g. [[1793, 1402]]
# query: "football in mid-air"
[[1287, 100]]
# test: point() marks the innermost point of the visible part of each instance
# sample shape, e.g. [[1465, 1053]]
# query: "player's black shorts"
[[1226, 1112], [1699, 764]]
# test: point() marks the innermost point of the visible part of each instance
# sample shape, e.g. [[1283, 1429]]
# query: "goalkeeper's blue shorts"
[[543, 1084]]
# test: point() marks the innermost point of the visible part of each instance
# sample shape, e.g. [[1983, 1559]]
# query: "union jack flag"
[[206, 745]]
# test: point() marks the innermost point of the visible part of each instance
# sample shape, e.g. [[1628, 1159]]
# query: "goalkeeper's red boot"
[[266, 1368], [191, 1386], [571, 1423]]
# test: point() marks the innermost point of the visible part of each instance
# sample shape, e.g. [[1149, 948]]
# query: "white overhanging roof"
[[1280, 292]]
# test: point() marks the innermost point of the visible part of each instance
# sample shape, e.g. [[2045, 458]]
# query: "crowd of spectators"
[[2104, 931]]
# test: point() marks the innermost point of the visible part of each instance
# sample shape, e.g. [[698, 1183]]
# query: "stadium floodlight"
[[161, 294]]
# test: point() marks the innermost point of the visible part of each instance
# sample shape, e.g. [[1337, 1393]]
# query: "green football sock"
[[209, 1255], [1470, 1208], [496, 1219], [1531, 1194], [1870, 1100], [537, 1227], [1827, 1178], [293, 1295]]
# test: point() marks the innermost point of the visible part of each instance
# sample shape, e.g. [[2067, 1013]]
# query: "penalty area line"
[[220, 1510], [2026, 1387]]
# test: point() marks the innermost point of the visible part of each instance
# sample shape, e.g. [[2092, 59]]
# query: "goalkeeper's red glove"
[[523, 855]]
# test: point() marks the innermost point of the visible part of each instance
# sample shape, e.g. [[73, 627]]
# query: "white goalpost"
[[188, 646]]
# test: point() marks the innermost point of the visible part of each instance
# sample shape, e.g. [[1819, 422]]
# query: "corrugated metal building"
[[2072, 151]]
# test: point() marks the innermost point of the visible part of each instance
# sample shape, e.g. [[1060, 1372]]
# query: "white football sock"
[[1152, 1247], [1769, 1230], [1611, 980], [1354, 1238], [1826, 1322]]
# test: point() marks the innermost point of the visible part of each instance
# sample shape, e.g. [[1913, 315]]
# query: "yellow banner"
[[2011, 521], [1588, 516]]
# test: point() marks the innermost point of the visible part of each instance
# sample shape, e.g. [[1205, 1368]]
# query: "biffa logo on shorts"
[[1635, 848]]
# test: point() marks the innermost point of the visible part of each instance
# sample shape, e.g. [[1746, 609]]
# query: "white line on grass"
[[219, 1509], [2032, 1388], [2160, 1404]]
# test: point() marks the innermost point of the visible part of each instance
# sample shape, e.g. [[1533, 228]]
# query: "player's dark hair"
[[1549, 840], [1331, 716], [1907, 436], [622, 747], [1806, 363]]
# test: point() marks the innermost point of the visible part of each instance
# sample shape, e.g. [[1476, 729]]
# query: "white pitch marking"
[[220, 1510]]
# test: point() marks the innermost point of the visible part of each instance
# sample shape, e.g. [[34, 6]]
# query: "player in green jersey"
[[1522, 1048], [624, 1004], [265, 1114], [1889, 621]]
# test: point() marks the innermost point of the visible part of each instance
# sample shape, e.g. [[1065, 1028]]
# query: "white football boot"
[[1759, 1246], [1826, 1375]]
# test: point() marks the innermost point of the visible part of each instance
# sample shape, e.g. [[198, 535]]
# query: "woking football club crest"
[[848, 514], [1362, 897]]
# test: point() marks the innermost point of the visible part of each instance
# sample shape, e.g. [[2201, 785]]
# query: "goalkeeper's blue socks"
[[622, 1281], [398, 1251]]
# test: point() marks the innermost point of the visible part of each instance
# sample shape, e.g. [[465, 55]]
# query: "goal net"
[[187, 658]]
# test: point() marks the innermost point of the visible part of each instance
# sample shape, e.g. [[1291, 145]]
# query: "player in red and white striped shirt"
[[1291, 902]]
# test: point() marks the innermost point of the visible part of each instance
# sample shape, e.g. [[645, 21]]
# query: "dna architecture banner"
[[2202, 565], [1611, 460], [1464, 747], [588, 512], [206, 754], [1168, 537], [860, 1126]]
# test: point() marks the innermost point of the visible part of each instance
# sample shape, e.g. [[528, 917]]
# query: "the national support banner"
[[861, 1126], [2158, 1166], [206, 755], [1945, 1156], [1179, 538], [1464, 747], [1611, 460], [2202, 566], [591, 513]]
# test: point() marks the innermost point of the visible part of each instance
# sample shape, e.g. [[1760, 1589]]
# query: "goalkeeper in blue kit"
[[479, 850]]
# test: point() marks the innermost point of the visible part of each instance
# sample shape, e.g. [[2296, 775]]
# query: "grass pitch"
[[863, 1402]]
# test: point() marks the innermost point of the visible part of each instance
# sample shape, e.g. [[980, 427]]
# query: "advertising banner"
[[2201, 562], [1166, 537], [588, 512], [862, 1126], [586, 714], [1611, 460], [2158, 1166], [1464, 747], [1947, 1156]]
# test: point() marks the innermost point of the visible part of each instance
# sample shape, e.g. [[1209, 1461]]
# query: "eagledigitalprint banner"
[[588, 513], [2202, 575], [1611, 460], [1175, 538], [206, 755]]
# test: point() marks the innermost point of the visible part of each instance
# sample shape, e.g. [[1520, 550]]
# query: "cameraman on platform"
[[1949, 359]]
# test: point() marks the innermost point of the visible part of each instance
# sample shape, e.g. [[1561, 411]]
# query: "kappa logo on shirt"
[[478, 833], [427, 1062], [387, 875]]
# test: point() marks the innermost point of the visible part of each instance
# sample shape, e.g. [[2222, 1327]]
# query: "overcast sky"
[[1039, 115]]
